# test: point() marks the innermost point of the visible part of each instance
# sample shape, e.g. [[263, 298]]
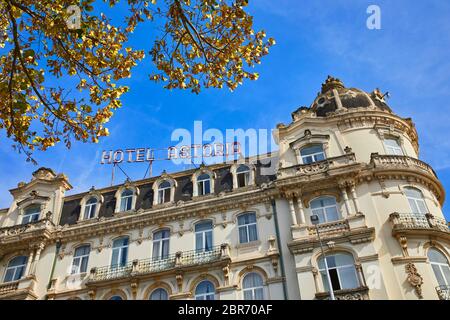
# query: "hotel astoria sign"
[[132, 155]]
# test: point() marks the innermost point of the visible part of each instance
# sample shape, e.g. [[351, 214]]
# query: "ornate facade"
[[241, 230]]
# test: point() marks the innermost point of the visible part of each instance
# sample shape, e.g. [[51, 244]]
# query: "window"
[[31, 214], [80, 259], [89, 208], [203, 236], [204, 184], [161, 244], [247, 227], [416, 201], [253, 287], [312, 154], [120, 252], [326, 208], [126, 200], [159, 294], [205, 291], [16, 269], [440, 266], [393, 147], [116, 298], [341, 267], [243, 176], [164, 192]]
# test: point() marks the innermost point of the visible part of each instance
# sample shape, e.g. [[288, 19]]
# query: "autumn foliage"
[[63, 84]]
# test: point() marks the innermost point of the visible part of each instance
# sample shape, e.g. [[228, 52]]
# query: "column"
[[302, 211], [292, 209], [355, 199], [30, 260], [36, 258], [359, 272], [315, 273], [347, 205]]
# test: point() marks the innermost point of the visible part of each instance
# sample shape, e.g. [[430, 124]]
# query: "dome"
[[335, 96]]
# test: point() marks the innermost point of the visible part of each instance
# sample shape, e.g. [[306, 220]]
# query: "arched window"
[[440, 266], [247, 227], [15, 269], [204, 236], [393, 147], [205, 291], [164, 192], [325, 208], [31, 214], [312, 154], [90, 208], [80, 259], [416, 201], [116, 298], [341, 267], [126, 200], [161, 244], [159, 294], [204, 184], [120, 252], [243, 176], [253, 287]]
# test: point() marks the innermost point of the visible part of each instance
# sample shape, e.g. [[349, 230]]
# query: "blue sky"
[[408, 57]]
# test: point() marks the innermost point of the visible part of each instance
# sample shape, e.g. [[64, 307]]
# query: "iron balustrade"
[[154, 265]]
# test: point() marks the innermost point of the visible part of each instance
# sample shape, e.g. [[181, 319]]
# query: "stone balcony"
[[22, 289], [419, 224], [352, 229], [400, 162], [361, 293], [317, 167], [178, 261]]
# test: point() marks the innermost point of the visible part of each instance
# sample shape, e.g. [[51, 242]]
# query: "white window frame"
[[440, 265], [201, 184], [121, 249], [162, 192], [203, 296], [33, 216], [76, 269], [127, 198], [247, 227], [156, 290], [313, 155], [323, 209], [416, 201], [16, 268], [394, 151], [161, 242], [246, 175], [338, 272], [92, 207], [204, 235], [253, 289]]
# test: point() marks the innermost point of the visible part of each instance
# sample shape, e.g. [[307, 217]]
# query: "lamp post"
[[315, 221]]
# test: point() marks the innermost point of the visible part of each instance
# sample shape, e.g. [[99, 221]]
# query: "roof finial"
[[331, 83]]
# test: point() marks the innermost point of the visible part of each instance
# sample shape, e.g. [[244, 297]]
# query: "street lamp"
[[315, 221]]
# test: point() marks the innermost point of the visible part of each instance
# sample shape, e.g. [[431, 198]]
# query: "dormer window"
[[312, 153], [393, 147], [126, 200], [243, 176], [31, 214], [164, 192], [90, 208], [204, 184]]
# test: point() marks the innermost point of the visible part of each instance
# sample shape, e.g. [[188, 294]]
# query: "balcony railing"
[[317, 167], [147, 266], [361, 293], [22, 228], [400, 161], [443, 292], [329, 227], [8, 287], [413, 221]]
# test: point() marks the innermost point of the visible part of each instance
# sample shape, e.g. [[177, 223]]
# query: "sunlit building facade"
[[243, 230]]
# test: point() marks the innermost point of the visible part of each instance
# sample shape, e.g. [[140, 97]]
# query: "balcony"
[[317, 167], [352, 229], [443, 292], [401, 162], [361, 293], [180, 260], [22, 289], [411, 223]]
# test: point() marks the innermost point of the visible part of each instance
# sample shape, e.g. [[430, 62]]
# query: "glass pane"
[[446, 272], [436, 256], [243, 235], [127, 193], [84, 262], [124, 256], [248, 295], [208, 241], [242, 168], [348, 278], [199, 241], [319, 157], [164, 184], [159, 294], [412, 204], [75, 265], [207, 186], [9, 275], [439, 275], [343, 259], [252, 233], [241, 180], [413, 193], [259, 294], [203, 226], [156, 246], [115, 257], [165, 248], [311, 150], [332, 214], [307, 160], [422, 207]]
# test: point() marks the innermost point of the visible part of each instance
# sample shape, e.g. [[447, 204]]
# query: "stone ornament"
[[414, 279]]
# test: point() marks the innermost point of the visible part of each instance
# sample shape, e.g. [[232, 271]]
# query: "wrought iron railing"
[[443, 292], [146, 266], [417, 221]]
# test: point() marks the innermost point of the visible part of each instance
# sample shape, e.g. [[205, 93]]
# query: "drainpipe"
[[277, 231], [58, 246]]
